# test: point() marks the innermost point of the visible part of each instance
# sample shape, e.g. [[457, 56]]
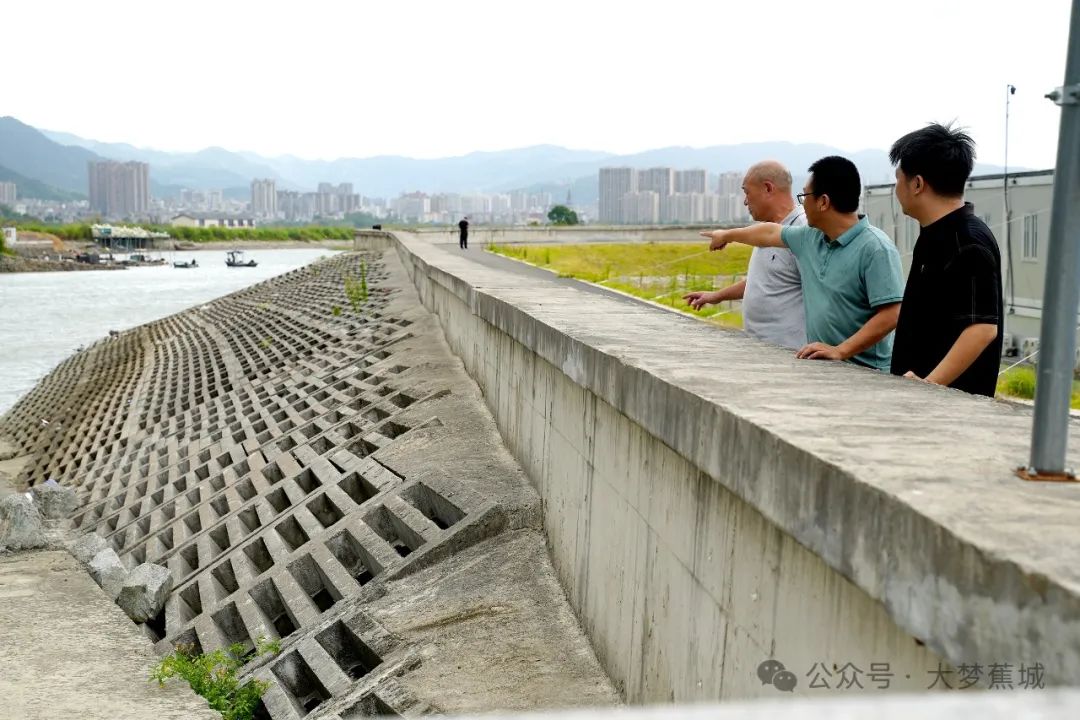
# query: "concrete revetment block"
[[20, 524], [144, 591], [108, 572], [54, 501], [87, 546]]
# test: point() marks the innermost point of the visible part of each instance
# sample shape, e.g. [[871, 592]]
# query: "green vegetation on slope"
[[213, 676]]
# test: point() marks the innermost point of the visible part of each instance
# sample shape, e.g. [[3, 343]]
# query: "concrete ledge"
[[904, 489], [372, 240], [482, 234], [67, 651], [1017, 705]]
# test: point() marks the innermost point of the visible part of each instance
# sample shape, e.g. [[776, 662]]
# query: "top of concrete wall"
[[906, 489], [995, 705]]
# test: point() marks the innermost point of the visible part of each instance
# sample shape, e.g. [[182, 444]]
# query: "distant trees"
[[562, 215]]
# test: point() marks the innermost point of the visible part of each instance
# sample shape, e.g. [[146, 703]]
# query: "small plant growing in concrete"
[[357, 290], [335, 310], [213, 676]]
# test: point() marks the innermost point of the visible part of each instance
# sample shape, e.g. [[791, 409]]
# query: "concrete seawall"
[[710, 502], [310, 463]]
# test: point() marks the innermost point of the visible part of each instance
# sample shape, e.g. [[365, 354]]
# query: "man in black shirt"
[[463, 238], [950, 328]]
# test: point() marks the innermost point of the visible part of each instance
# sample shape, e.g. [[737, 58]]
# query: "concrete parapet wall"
[[710, 502], [482, 235], [371, 240]]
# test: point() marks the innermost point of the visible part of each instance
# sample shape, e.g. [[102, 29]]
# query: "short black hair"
[[944, 156], [838, 178]]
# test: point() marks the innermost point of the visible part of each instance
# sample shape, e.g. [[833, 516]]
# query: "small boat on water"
[[141, 260], [192, 263], [144, 259], [235, 258]]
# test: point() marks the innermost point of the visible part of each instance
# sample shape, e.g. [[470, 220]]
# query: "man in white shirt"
[[771, 294]]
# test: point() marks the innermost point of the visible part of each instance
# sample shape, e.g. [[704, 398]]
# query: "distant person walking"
[[463, 240], [771, 294], [950, 329]]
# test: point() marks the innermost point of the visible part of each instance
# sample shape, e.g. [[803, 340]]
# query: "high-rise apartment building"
[[215, 200], [690, 181], [660, 180], [730, 183], [119, 189], [519, 201], [640, 208], [263, 198], [692, 208], [7, 193], [614, 183]]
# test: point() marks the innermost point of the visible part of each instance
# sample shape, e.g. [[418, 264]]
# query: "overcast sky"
[[329, 78]]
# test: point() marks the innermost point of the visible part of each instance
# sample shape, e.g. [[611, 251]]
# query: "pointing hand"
[[717, 237], [700, 298]]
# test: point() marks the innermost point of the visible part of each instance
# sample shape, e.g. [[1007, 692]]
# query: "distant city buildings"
[[7, 194], [119, 190], [263, 199], [518, 207], [665, 195], [330, 202], [202, 200]]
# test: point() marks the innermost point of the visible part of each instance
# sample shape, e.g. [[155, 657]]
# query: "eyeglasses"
[[803, 196]]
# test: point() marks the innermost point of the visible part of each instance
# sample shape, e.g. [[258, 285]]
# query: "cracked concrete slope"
[[311, 463]]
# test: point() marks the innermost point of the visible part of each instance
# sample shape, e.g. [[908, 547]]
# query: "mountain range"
[[52, 164]]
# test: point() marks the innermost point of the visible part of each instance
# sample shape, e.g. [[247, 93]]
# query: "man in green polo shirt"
[[851, 274]]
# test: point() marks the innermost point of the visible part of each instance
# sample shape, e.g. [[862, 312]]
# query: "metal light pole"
[[1057, 346], [1010, 90]]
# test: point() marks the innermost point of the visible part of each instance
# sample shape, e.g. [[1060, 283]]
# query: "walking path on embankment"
[[66, 650], [477, 254]]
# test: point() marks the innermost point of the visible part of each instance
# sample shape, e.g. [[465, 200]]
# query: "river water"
[[44, 317]]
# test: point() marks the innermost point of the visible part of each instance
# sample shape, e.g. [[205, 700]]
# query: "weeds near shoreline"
[[213, 676]]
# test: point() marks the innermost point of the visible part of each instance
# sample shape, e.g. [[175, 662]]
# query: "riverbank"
[[224, 245], [18, 264]]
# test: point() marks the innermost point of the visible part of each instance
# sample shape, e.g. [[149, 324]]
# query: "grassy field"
[[1020, 383], [661, 272]]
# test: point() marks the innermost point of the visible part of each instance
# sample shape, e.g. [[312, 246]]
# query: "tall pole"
[[1010, 90], [1057, 346]]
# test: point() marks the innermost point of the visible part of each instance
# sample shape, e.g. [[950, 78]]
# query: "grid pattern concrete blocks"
[[236, 445]]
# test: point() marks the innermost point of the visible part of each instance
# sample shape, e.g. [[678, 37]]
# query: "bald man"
[[771, 294]]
